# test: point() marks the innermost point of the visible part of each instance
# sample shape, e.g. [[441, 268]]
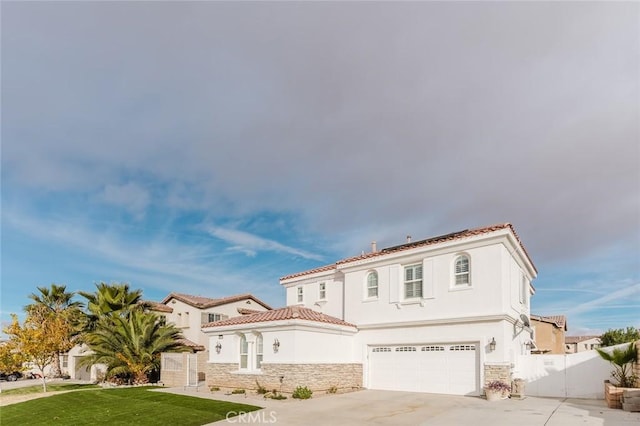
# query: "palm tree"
[[111, 300], [621, 360], [131, 345], [56, 302]]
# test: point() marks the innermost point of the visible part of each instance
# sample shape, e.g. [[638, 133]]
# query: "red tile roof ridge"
[[421, 243], [207, 302], [281, 314]]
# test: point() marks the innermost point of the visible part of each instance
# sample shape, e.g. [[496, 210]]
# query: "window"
[[412, 281], [372, 284], [162, 320], [65, 360], [323, 291], [214, 317], [244, 352], [259, 351], [462, 270], [300, 294]]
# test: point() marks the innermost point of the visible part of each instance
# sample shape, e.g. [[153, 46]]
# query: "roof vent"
[[374, 247], [408, 238]]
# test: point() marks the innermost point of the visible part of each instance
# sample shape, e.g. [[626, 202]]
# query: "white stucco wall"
[[330, 305], [299, 344], [189, 319], [579, 375]]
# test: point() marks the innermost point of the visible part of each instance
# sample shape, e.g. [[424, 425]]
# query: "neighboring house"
[[189, 313], [443, 315], [549, 334], [574, 344]]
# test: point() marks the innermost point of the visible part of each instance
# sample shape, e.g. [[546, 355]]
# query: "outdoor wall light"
[[276, 345], [492, 344], [529, 345], [218, 347]]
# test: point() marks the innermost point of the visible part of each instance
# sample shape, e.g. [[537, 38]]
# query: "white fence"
[[579, 375]]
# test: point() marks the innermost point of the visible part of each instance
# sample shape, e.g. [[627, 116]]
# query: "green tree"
[[621, 359], [131, 345], [56, 301], [615, 337], [110, 301]]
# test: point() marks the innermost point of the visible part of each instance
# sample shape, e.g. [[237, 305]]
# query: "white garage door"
[[438, 368]]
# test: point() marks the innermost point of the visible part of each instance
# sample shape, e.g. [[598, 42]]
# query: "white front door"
[[434, 368]]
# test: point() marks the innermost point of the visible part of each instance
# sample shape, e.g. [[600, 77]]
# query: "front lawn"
[[53, 387], [124, 406]]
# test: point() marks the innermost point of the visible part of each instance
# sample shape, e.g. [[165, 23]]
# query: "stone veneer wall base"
[[286, 377]]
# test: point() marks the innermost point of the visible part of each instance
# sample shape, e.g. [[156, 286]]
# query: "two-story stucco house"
[[548, 334], [443, 315], [189, 313]]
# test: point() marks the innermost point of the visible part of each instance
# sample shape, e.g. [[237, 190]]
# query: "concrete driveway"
[[370, 407]]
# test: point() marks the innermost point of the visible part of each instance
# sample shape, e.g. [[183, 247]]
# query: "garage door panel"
[[449, 369]]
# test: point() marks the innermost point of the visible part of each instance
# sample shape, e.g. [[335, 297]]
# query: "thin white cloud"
[[624, 293], [250, 244]]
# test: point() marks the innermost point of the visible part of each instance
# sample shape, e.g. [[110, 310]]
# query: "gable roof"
[[158, 307], [192, 345], [578, 339], [282, 314], [422, 243], [559, 321], [201, 302]]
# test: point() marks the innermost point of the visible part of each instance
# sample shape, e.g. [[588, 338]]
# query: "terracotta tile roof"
[[578, 339], [158, 307], [559, 321], [244, 311], [193, 345], [207, 302], [286, 313], [422, 243]]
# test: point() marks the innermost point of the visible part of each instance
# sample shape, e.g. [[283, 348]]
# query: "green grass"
[[124, 406], [50, 388]]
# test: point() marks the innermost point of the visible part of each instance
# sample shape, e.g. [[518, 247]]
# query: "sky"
[[210, 148]]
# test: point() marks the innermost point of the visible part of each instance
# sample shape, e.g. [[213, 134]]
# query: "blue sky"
[[213, 147]]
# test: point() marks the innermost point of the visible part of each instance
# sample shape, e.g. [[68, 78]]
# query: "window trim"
[[414, 267], [259, 345], [244, 352], [300, 294], [459, 258], [369, 287], [322, 291]]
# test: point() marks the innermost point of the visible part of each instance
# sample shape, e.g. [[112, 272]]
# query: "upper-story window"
[[214, 317], [300, 294], [244, 352], [259, 347], [412, 281], [462, 270], [372, 284], [323, 291]]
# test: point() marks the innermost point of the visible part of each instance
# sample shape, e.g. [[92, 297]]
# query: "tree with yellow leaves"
[[40, 337]]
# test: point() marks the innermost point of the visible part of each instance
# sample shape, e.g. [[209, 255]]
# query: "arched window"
[[462, 270], [258, 351], [372, 284], [244, 352]]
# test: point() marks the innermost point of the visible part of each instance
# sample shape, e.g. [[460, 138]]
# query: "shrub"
[[261, 389], [238, 391], [621, 360], [302, 393], [214, 388], [332, 389]]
